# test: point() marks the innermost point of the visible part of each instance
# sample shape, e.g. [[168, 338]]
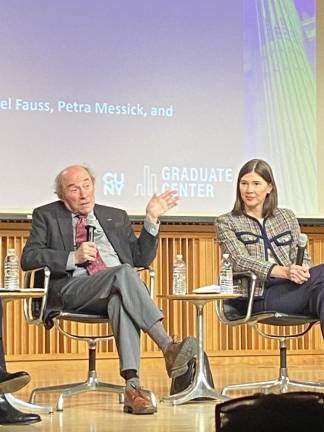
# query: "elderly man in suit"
[[98, 276]]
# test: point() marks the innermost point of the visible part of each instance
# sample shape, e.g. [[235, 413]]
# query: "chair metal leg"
[[282, 383], [250, 386], [92, 384], [307, 384], [23, 405]]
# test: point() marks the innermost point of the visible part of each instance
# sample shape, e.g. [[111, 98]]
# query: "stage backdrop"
[[159, 94]]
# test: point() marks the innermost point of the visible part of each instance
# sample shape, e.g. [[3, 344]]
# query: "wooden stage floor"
[[98, 412]]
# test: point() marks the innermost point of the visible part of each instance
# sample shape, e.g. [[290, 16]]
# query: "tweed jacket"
[[248, 242]]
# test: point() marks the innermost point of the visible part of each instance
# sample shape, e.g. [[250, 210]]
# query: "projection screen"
[[158, 94]]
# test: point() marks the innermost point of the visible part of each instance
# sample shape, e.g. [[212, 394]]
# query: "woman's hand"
[[295, 273], [298, 274]]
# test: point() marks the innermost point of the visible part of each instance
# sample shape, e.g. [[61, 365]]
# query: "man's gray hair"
[[58, 182]]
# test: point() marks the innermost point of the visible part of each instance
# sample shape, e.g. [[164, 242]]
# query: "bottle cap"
[[226, 255], [179, 256], [11, 251]]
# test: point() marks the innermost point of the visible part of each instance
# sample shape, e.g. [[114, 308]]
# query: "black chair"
[[230, 315], [34, 312]]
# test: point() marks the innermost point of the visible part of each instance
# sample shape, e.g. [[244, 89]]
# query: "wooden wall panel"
[[202, 255]]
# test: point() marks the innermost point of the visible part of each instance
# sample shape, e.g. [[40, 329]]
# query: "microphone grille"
[[302, 240], [91, 220]]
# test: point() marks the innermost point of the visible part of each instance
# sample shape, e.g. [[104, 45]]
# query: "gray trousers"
[[119, 293]]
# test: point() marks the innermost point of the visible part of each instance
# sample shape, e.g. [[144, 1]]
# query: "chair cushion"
[[282, 319], [234, 311]]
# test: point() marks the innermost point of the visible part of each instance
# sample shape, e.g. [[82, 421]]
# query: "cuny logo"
[[113, 183]]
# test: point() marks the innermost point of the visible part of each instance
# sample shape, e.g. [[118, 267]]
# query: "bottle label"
[[226, 283], [179, 282], [11, 273]]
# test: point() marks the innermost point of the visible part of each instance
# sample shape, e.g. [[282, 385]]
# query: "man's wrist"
[[152, 227], [151, 218], [71, 265]]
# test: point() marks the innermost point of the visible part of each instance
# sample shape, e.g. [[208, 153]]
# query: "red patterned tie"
[[80, 237], [80, 230]]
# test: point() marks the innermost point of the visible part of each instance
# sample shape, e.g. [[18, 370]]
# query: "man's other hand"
[[160, 204]]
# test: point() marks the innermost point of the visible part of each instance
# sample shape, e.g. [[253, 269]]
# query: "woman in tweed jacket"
[[263, 238]]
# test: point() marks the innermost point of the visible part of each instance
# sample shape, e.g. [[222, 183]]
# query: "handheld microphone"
[[301, 247], [90, 227]]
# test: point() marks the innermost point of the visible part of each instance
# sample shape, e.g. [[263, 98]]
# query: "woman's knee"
[[317, 272]]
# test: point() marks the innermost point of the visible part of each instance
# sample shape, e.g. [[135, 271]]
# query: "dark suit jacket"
[[51, 241]]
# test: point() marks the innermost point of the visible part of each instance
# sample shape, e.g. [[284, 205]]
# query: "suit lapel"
[[64, 219]]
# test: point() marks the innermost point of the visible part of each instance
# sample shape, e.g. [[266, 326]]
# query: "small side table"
[[19, 294], [200, 387]]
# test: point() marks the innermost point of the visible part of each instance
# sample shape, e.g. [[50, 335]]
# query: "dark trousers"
[[307, 299], [282, 295]]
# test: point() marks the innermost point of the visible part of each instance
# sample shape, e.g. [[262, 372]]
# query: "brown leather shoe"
[[137, 401], [178, 354]]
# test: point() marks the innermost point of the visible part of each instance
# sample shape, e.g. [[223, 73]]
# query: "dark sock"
[[160, 336], [131, 377], [129, 373]]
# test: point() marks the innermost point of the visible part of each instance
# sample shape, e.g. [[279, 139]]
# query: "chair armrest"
[[220, 304], [34, 308], [252, 278]]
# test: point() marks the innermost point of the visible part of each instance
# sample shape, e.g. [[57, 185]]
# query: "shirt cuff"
[[152, 228], [70, 265]]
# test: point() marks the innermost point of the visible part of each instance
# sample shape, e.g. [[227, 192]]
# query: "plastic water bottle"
[[226, 275], [11, 270], [179, 276]]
